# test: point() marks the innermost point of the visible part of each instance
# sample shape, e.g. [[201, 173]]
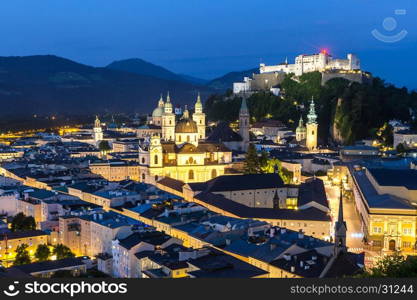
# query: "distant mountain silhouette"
[[46, 84], [226, 81], [141, 67], [194, 80]]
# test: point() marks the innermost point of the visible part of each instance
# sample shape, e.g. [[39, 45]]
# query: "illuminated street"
[[354, 232]]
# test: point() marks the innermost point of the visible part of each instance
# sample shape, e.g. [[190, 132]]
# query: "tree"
[[394, 266], [22, 255], [273, 165], [252, 162], [61, 251], [104, 146], [385, 134], [42, 252], [20, 223], [401, 148]]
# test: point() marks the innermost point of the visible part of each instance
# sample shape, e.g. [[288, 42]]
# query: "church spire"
[[161, 101], [312, 116], [244, 124], [97, 122], [198, 108], [168, 105], [186, 114], [340, 227], [301, 122], [243, 107]]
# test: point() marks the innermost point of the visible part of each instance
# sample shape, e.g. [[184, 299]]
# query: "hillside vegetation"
[[346, 111]]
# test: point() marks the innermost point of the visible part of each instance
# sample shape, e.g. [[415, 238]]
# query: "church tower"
[[168, 121], [340, 229], [312, 127], [97, 130], [244, 124], [300, 132], [155, 151], [200, 118]]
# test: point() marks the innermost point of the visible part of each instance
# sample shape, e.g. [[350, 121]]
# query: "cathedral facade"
[[181, 151]]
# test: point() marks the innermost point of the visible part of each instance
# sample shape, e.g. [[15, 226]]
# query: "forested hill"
[[346, 111]]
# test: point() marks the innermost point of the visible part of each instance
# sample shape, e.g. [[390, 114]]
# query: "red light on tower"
[[324, 51]]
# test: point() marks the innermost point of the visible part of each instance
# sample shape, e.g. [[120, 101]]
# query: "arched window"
[[143, 176], [179, 138], [188, 138], [170, 122], [156, 177], [213, 173], [191, 175], [143, 160], [155, 159]]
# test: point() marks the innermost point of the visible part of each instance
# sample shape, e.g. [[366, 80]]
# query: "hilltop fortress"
[[270, 76]]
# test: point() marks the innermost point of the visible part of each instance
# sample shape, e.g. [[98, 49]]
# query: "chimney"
[[287, 256], [283, 230], [271, 232], [228, 242], [314, 257], [301, 264], [292, 269], [273, 246], [100, 216], [300, 234]]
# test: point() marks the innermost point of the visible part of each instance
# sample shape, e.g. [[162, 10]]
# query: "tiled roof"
[[244, 211]]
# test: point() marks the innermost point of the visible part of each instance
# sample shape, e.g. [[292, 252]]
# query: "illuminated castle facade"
[[320, 62]]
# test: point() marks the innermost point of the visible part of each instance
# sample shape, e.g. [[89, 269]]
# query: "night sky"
[[207, 38]]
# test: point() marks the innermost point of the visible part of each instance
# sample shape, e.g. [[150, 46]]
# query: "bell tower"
[[312, 128], [155, 151], [168, 121], [97, 130], [200, 118]]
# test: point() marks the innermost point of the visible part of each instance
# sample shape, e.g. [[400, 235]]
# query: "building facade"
[[182, 152]]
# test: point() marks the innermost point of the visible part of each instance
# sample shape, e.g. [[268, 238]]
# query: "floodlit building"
[[182, 152], [314, 62]]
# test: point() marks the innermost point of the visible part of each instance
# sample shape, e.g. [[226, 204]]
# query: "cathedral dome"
[[301, 129], [157, 112], [186, 126]]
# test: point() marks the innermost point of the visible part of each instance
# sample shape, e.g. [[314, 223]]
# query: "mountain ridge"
[[46, 84]]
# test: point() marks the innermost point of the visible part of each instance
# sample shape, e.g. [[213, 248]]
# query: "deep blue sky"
[[207, 38]]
